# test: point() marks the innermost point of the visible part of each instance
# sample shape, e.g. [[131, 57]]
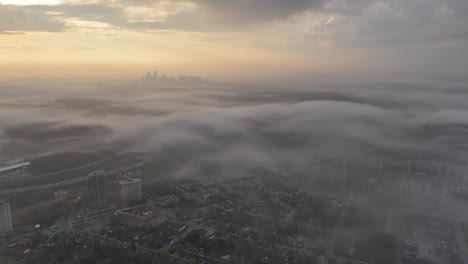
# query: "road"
[[74, 180], [9, 179]]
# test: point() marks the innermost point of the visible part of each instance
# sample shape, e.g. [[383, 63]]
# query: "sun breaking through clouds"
[[248, 38]]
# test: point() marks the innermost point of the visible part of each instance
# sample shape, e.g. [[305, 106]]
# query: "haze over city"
[[246, 131]]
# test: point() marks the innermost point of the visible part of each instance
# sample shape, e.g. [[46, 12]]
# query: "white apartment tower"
[[130, 190], [5, 217]]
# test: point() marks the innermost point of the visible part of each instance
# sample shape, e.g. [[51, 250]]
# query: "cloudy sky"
[[232, 39]]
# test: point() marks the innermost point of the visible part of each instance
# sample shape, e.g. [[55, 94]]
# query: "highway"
[[74, 180], [9, 179]]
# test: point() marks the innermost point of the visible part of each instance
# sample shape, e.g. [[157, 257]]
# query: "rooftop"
[[97, 173], [130, 180]]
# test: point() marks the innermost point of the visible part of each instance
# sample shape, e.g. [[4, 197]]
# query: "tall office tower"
[[97, 189], [130, 190], [5, 217]]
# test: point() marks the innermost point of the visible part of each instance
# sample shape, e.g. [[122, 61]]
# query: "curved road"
[[67, 170], [75, 180]]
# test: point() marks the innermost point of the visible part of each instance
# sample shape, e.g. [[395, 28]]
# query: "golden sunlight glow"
[[158, 11], [92, 38]]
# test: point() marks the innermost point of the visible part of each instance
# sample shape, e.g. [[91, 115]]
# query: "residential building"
[[130, 190], [5, 217], [97, 189]]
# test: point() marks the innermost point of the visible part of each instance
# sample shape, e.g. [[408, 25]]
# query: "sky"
[[224, 39]]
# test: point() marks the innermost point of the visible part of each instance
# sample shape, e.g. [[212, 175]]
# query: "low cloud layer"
[[239, 128]]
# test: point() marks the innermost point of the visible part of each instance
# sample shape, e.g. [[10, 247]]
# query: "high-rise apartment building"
[[5, 217], [130, 190], [97, 189]]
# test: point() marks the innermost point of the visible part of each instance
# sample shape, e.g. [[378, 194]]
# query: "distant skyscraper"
[[148, 76], [97, 188], [5, 217], [130, 190]]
